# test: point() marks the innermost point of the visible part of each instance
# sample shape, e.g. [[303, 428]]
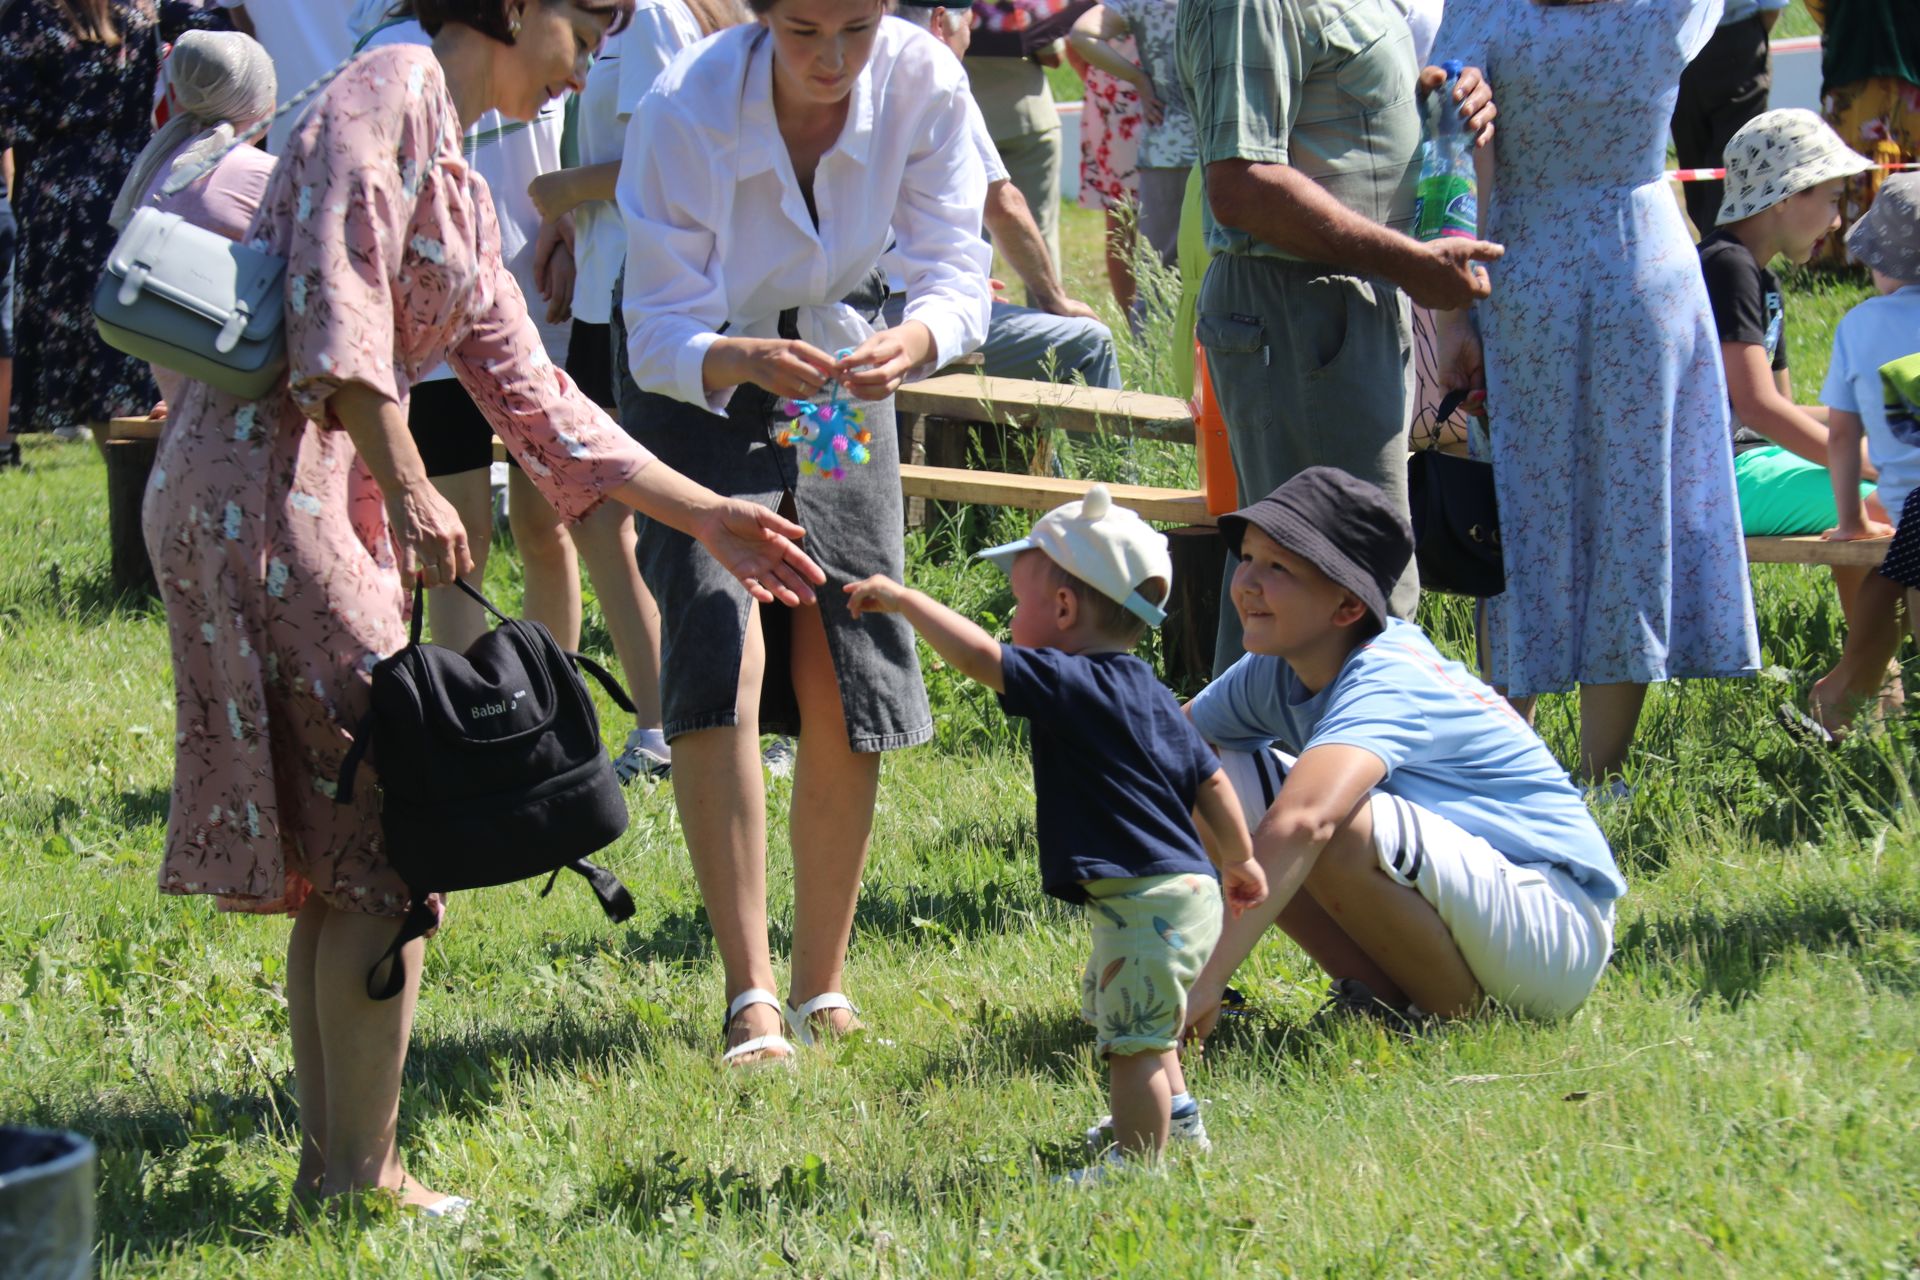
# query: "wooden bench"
[[962, 399], [1016, 402]]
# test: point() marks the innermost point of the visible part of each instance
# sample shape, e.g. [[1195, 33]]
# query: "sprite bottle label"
[[1445, 205]]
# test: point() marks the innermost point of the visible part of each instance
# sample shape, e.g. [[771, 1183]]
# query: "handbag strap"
[[582, 662], [417, 923], [614, 898], [1444, 410]]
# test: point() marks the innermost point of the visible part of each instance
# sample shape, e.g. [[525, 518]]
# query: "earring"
[[513, 25]]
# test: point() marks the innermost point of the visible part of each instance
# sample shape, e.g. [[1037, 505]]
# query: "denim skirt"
[[855, 527]]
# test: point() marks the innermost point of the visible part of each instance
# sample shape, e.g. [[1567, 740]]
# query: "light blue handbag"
[[193, 301]]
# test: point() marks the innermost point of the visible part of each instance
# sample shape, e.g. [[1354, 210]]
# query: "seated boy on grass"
[[1785, 172], [1873, 387], [1425, 849], [1119, 779]]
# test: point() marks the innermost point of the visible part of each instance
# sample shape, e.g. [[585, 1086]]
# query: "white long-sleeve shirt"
[[621, 75], [718, 232]]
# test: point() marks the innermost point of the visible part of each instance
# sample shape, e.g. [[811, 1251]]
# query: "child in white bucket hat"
[[1118, 776], [1873, 382], [1785, 173]]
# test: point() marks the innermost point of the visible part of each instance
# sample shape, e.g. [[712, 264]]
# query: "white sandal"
[[445, 1209], [799, 1020], [775, 1044]]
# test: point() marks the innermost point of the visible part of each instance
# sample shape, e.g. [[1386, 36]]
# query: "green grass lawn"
[[1737, 1099]]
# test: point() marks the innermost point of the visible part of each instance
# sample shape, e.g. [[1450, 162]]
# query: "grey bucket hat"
[[1887, 237]]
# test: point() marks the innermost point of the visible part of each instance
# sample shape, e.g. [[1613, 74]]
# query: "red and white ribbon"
[[1715, 175]]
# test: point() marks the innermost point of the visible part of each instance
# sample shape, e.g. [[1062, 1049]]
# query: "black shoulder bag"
[[1456, 518], [491, 770]]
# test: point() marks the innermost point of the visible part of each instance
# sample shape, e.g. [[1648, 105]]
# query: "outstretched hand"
[[878, 594], [757, 546]]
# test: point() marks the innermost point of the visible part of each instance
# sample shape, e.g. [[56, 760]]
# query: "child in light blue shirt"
[[1425, 848]]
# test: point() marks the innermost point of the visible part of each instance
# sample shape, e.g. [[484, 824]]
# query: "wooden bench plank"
[[1867, 553], [1019, 402], [1043, 493]]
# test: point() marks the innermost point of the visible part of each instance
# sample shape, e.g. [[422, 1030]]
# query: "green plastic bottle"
[[1447, 201]]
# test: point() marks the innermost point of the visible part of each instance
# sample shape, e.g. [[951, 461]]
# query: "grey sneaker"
[[1187, 1128], [777, 756], [637, 760]]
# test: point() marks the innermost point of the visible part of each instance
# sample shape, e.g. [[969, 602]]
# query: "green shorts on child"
[[1783, 495], [1151, 937]]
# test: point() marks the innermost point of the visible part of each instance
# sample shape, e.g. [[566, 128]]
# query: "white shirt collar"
[[760, 133]]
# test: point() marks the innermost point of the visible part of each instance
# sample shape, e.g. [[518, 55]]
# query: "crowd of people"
[[617, 234]]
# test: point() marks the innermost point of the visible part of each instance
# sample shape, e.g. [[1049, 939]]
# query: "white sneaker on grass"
[[1186, 1128], [640, 758], [777, 756]]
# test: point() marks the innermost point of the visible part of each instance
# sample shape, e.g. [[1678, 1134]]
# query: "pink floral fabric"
[[268, 534], [1110, 127]]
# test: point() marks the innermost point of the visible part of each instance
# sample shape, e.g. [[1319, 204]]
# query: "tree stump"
[[129, 464], [1193, 614]]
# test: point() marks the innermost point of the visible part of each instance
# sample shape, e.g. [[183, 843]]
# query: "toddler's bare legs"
[[1141, 1094]]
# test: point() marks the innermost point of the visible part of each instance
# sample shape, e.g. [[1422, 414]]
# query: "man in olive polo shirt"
[[1309, 128], [1017, 104]]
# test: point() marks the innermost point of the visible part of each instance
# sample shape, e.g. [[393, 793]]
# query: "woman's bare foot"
[[751, 1023], [417, 1196]]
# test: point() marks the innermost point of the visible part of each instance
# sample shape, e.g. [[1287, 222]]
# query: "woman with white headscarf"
[[219, 84]]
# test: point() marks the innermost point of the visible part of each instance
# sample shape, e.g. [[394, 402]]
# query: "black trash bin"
[[46, 1205]]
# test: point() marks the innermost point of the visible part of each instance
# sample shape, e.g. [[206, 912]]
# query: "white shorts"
[[1534, 939]]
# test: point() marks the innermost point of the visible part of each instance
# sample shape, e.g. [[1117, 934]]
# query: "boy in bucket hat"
[[1873, 381], [1425, 849], [1786, 170], [1119, 776]]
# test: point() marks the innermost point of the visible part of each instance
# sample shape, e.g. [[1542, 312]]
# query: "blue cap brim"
[[1003, 557]]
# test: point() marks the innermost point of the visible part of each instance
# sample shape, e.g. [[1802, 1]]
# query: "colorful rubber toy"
[[827, 437]]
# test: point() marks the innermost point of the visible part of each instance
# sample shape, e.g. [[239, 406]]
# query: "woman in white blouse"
[[764, 175]]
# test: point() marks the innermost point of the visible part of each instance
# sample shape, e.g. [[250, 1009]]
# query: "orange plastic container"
[[1210, 441]]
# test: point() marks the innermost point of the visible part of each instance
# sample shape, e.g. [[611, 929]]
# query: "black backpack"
[[491, 770]]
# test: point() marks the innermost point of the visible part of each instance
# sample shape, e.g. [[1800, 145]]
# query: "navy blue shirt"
[[1116, 767]]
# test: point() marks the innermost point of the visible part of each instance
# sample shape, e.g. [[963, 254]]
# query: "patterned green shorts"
[[1151, 935]]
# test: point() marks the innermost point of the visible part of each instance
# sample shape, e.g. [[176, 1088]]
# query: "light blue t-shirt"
[[1741, 10], [1885, 327], [1449, 743]]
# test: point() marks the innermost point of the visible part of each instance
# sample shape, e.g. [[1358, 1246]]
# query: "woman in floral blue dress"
[[77, 83], [1608, 407]]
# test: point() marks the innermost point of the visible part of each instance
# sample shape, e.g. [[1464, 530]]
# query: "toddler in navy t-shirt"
[[1119, 778]]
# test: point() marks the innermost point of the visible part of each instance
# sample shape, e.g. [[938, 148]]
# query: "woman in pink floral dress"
[[283, 530], [1110, 124]]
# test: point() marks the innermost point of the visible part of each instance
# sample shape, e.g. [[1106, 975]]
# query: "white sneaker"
[[1188, 1128], [777, 756], [638, 760], [1614, 791], [1093, 1175]]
